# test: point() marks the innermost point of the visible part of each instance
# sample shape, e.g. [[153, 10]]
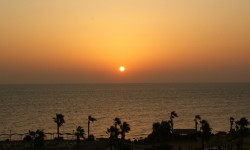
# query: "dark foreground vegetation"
[[163, 137]]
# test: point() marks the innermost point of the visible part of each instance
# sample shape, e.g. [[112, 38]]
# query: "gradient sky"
[[63, 41]]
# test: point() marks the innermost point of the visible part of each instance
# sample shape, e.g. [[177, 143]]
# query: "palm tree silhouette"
[[112, 131], [165, 129], [243, 123], [161, 131], [241, 126], [172, 116], [206, 131], [205, 127], [231, 123], [125, 128], [59, 120], [197, 117], [79, 134], [117, 121], [236, 126], [156, 128], [90, 119], [37, 137]]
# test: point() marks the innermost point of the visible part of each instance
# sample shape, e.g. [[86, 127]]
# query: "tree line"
[[161, 131]]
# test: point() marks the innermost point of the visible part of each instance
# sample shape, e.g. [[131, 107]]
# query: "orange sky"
[[63, 41]]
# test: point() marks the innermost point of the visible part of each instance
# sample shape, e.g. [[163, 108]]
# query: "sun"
[[122, 68]]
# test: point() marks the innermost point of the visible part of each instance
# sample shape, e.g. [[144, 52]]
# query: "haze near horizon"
[[156, 41]]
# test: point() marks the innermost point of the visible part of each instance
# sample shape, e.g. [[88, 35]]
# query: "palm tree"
[[156, 128], [117, 121], [112, 131], [241, 128], [59, 120], [205, 127], [197, 117], [172, 116], [37, 137], [79, 134], [231, 123], [243, 123], [165, 129], [90, 119], [125, 128], [206, 131], [161, 131], [237, 126]]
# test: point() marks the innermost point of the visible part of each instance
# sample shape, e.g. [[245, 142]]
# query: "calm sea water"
[[31, 107]]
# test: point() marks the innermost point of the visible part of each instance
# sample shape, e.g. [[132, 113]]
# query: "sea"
[[26, 107]]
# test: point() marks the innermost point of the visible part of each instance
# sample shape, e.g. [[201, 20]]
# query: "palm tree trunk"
[[57, 131], [172, 126], [202, 143], [77, 142], [196, 126], [123, 136], [111, 142], [88, 128]]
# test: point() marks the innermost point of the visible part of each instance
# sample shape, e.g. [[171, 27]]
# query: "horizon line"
[[82, 83]]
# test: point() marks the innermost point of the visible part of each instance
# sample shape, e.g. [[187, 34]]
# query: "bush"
[[91, 138], [58, 139]]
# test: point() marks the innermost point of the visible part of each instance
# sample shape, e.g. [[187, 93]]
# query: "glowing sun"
[[122, 69]]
